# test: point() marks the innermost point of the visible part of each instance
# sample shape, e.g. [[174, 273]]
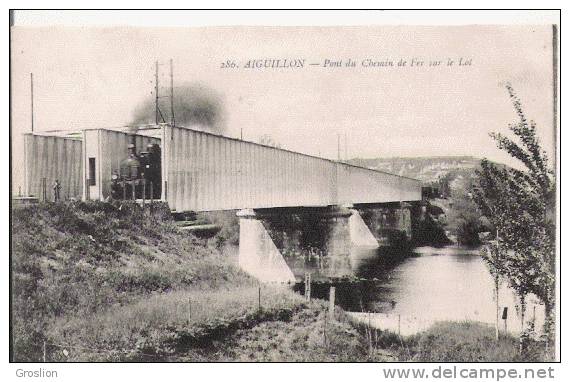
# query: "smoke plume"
[[195, 105]]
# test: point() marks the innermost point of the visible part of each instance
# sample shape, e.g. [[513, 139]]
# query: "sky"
[[96, 77]]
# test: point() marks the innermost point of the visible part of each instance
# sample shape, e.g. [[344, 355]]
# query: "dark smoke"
[[194, 104]]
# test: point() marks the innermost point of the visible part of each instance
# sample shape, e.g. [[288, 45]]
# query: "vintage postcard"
[[280, 193]]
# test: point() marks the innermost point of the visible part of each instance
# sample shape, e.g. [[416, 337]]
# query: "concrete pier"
[[360, 234], [267, 234], [389, 223], [338, 240], [258, 255], [405, 222]]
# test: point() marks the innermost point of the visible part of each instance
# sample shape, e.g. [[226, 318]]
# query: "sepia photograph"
[[376, 192]]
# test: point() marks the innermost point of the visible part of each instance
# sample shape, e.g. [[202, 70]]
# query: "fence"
[[203, 315]]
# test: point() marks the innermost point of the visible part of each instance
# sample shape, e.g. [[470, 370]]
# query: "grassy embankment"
[[98, 282], [465, 341]]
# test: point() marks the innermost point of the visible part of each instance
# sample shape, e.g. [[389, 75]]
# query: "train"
[[139, 175]]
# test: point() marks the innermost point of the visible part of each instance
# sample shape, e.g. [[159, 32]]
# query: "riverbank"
[[465, 341], [111, 282], [309, 336]]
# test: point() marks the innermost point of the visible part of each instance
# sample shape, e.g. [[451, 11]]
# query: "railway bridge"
[[201, 171]]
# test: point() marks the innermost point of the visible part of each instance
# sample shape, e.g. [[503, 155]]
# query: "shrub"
[[79, 258], [466, 342]]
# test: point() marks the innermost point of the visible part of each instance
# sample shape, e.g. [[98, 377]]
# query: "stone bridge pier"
[[391, 223], [266, 234]]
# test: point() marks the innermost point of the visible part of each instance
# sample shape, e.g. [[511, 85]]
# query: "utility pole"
[[497, 290], [156, 94], [32, 98], [345, 146], [172, 121], [26, 180], [338, 146]]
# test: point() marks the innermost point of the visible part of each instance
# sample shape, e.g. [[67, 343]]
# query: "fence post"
[[57, 191], [44, 191], [44, 351], [87, 187], [399, 325], [325, 332], [331, 302], [308, 286], [259, 298], [369, 334], [151, 197]]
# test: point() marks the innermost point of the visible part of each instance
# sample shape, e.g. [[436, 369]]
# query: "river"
[[429, 285]]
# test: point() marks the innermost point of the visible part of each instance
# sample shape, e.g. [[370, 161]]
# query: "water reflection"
[[421, 287]]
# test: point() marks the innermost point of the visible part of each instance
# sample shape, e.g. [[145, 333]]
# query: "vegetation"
[[267, 140], [110, 282], [75, 262], [464, 219], [431, 170], [113, 282], [307, 335], [429, 229], [168, 324], [466, 342], [521, 205], [229, 223]]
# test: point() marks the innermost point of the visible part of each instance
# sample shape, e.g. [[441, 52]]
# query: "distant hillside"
[[426, 169]]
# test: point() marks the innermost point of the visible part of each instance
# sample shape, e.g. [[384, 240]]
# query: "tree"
[[492, 254], [521, 205], [464, 218], [267, 140]]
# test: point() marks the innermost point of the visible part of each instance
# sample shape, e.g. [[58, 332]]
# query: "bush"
[[163, 324], [467, 342], [79, 258]]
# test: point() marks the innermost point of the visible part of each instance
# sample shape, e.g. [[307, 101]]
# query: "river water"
[[412, 292]]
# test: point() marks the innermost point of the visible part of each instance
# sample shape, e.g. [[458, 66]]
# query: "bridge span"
[[193, 170], [204, 172]]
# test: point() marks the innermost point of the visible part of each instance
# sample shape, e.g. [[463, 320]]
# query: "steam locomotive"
[[139, 176]]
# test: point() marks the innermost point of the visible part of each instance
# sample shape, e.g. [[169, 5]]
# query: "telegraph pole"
[[32, 98], [497, 290], [345, 146], [156, 94], [26, 180], [172, 121]]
